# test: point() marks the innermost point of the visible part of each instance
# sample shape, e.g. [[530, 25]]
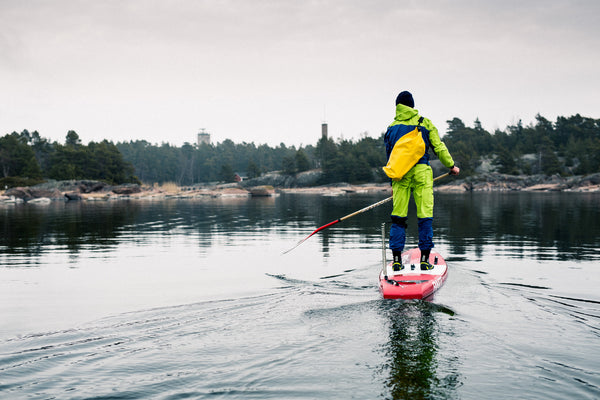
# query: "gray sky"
[[271, 71]]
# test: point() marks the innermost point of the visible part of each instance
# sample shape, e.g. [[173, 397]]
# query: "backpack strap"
[[426, 141]]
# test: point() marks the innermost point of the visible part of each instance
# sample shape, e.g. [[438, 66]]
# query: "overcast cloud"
[[272, 71]]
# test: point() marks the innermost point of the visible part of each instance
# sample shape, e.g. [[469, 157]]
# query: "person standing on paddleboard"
[[407, 143]]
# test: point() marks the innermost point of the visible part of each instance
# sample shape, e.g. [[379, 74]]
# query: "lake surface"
[[178, 299]]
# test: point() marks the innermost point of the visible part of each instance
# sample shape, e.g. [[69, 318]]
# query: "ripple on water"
[[332, 337], [255, 347]]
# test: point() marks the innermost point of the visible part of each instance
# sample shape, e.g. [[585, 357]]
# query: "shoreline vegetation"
[[273, 184], [542, 156]]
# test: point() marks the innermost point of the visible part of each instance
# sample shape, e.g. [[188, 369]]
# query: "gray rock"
[[279, 180], [128, 188], [81, 186], [53, 194], [72, 196], [23, 193]]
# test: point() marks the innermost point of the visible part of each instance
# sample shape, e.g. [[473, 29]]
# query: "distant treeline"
[[26, 158], [344, 160], [190, 164], [569, 146]]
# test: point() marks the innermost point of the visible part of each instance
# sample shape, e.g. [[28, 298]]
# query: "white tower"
[[203, 137]]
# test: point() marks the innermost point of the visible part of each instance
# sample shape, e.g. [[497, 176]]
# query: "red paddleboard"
[[411, 282]]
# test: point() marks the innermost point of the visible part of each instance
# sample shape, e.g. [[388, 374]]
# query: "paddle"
[[353, 214]]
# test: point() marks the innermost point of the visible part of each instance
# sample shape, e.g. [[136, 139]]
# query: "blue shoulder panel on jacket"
[[395, 132]]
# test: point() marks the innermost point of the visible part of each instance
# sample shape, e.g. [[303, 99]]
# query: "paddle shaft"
[[362, 210]]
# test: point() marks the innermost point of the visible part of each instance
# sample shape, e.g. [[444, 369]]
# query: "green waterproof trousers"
[[419, 182]]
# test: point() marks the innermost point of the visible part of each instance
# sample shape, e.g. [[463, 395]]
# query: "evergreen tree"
[[227, 174], [105, 162], [505, 162], [72, 139], [17, 158], [252, 170], [548, 160], [288, 166], [302, 162], [69, 161]]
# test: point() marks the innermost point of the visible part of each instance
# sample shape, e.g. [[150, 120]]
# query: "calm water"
[[194, 299]]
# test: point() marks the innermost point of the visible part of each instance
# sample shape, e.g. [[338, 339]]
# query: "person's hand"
[[454, 170]]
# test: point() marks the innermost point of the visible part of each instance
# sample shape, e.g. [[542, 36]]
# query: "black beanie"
[[406, 99]]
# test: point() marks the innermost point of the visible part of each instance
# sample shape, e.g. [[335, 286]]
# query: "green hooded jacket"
[[406, 120]]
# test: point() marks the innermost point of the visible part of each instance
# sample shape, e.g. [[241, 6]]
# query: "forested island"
[[568, 147]]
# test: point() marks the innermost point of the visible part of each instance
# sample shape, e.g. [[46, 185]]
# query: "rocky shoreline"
[[491, 182], [274, 184], [99, 191]]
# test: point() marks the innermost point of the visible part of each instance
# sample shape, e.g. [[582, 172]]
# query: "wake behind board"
[[411, 282]]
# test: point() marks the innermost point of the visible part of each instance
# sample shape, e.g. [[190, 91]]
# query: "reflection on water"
[[412, 353], [545, 226], [76, 226], [549, 226], [30, 229]]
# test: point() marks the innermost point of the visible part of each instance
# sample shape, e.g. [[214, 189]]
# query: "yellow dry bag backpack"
[[405, 154]]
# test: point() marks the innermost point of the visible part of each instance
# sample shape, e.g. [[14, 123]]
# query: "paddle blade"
[[315, 231], [297, 244]]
